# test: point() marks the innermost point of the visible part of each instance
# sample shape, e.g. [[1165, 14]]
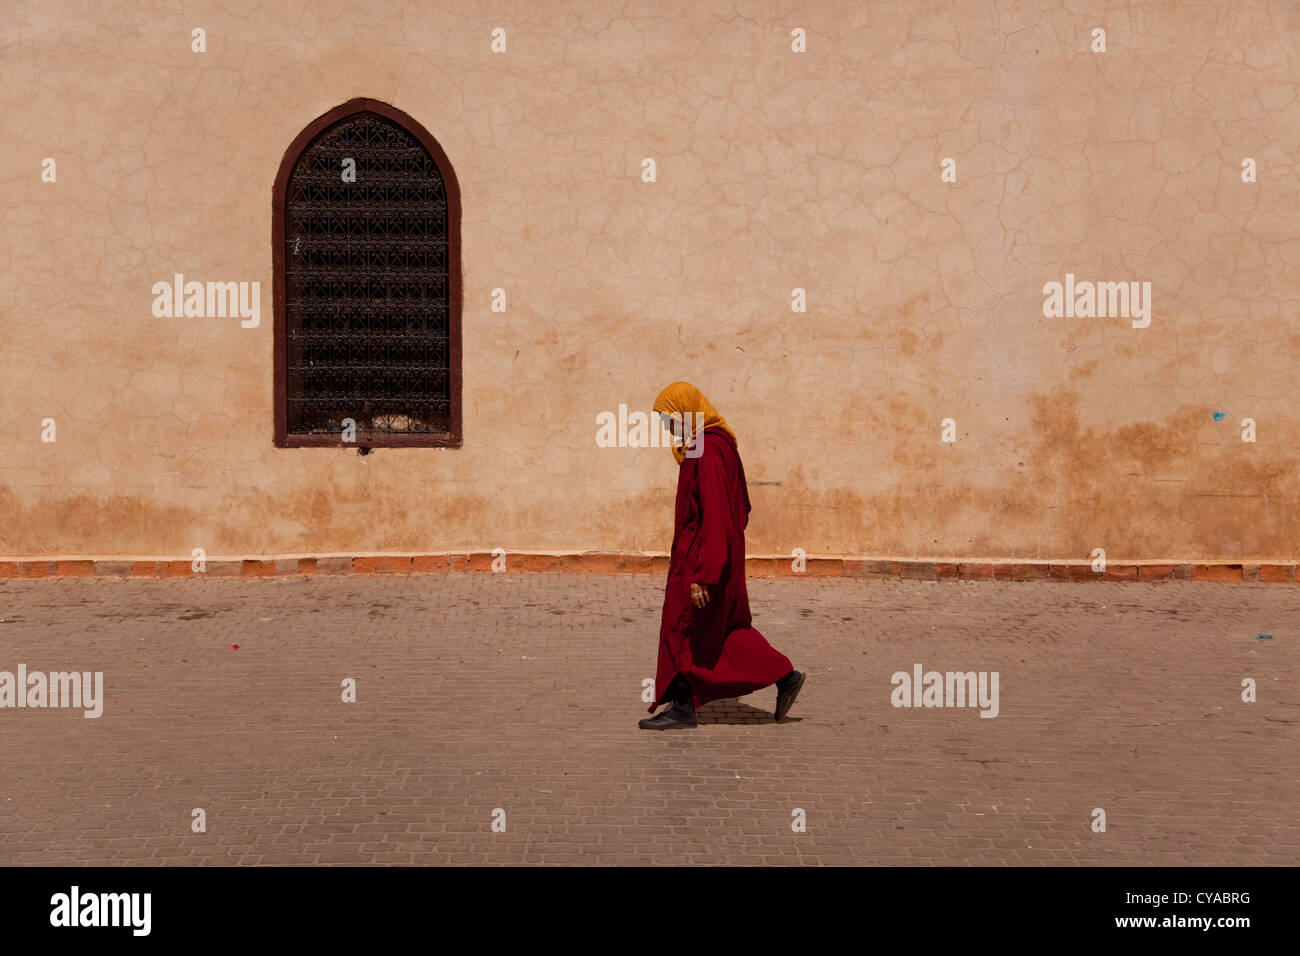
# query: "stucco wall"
[[775, 170]]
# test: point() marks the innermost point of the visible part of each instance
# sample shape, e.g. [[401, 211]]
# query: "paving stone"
[[520, 691]]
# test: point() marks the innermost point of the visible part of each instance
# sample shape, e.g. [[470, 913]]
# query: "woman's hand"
[[699, 595]]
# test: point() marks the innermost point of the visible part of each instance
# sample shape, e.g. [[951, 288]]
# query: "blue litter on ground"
[[1263, 637]]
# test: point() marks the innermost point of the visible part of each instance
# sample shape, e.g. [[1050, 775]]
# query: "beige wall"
[[775, 170]]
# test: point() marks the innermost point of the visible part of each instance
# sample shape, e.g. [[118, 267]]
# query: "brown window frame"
[[449, 439]]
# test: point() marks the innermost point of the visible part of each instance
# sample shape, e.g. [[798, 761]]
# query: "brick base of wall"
[[605, 563]]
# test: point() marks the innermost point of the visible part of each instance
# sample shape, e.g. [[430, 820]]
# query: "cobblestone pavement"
[[522, 691]]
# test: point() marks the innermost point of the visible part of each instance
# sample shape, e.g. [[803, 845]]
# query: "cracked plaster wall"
[[775, 170]]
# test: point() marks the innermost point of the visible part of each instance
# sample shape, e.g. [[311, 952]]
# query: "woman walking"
[[707, 646]]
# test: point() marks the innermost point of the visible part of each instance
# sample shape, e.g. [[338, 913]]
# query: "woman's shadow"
[[729, 710]]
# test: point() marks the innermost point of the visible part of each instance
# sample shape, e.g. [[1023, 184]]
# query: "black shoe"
[[675, 716], [787, 689]]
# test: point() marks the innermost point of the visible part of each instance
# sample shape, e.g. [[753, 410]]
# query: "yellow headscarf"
[[684, 399]]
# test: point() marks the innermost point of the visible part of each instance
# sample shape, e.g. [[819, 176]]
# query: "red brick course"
[[1217, 572], [595, 562], [918, 571], [816, 568], [1027, 572], [1120, 572]]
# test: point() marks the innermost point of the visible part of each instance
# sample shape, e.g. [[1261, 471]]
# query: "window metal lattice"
[[367, 287]]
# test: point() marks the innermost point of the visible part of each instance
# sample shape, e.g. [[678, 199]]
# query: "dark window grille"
[[370, 275]]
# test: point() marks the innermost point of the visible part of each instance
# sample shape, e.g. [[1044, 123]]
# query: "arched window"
[[367, 284]]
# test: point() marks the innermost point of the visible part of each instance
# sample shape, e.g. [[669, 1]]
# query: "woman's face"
[[673, 424]]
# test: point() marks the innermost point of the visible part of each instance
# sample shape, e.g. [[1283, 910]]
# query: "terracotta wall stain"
[[776, 170]]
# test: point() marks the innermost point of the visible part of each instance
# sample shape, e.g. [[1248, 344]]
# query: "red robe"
[[714, 647]]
